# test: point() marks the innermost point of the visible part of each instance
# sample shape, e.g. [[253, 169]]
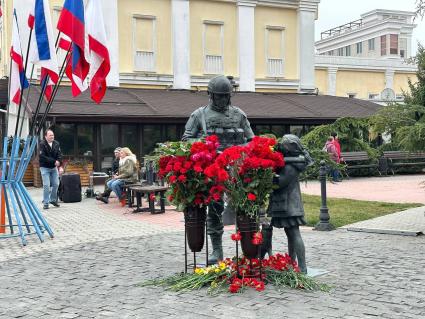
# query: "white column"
[[181, 44], [110, 15], [332, 81], [246, 41], [306, 17], [389, 79]]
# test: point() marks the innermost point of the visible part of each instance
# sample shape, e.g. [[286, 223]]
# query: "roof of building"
[[147, 105]]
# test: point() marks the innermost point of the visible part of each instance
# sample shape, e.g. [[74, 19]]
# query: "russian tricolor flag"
[[71, 23], [43, 52], [18, 80]]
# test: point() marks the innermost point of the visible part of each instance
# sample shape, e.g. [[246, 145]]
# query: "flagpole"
[[26, 100], [43, 89], [55, 90], [29, 83], [29, 89], [8, 100]]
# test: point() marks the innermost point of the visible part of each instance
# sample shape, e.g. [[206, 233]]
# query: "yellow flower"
[[214, 284], [198, 271], [217, 270], [222, 265]]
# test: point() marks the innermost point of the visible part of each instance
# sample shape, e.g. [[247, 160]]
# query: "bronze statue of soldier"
[[286, 207], [232, 127]]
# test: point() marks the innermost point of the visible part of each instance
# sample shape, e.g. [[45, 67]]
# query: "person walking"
[[338, 160], [50, 158], [333, 155]]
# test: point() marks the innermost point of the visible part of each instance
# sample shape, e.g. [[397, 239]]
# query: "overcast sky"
[[333, 13]]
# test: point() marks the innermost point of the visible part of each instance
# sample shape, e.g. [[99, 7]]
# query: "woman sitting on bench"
[[127, 173]]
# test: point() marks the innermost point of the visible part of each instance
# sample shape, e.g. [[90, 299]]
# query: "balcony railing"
[[144, 61], [213, 64], [275, 67]]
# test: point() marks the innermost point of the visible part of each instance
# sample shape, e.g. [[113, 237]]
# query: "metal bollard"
[[324, 217]]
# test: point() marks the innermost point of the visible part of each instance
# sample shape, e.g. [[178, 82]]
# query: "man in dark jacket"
[[50, 158]]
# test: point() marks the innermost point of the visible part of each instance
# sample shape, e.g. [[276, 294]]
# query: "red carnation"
[[251, 197]]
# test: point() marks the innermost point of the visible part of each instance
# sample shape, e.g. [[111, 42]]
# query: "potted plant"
[[186, 167], [251, 169]]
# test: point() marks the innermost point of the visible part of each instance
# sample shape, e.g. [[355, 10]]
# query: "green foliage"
[[405, 122], [347, 211]]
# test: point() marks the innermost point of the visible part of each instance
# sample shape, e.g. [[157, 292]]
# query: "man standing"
[[232, 127], [50, 158]]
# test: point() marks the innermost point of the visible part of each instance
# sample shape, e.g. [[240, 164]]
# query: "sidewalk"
[[100, 252]]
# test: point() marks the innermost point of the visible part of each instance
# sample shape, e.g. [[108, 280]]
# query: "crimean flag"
[[71, 23], [18, 80], [43, 52], [98, 50]]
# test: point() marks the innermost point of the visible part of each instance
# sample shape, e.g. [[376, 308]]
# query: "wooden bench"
[[140, 191], [398, 159], [359, 160]]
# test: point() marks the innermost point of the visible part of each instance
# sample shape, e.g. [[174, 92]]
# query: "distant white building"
[[366, 58]]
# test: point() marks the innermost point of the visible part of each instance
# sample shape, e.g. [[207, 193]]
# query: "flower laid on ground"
[[251, 169], [187, 168], [235, 276]]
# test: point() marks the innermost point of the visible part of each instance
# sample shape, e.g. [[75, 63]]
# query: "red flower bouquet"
[[186, 167], [251, 169]]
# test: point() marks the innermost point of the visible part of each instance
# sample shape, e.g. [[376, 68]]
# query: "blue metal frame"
[[23, 216]]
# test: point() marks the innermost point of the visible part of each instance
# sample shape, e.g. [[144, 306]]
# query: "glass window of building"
[[144, 42], [371, 44], [359, 48], [108, 142], [262, 129], [275, 50], [393, 43], [348, 50], [172, 133], [64, 134], [129, 137], [383, 45], [340, 51], [151, 136], [279, 130], [85, 139], [297, 130], [213, 43]]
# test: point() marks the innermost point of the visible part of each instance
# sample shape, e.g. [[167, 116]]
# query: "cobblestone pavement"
[[92, 267]]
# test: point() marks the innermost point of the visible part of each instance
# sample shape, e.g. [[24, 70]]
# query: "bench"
[[398, 159], [359, 160], [149, 190]]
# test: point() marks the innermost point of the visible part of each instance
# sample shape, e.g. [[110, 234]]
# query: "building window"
[[351, 95], [331, 52], [383, 45], [371, 44], [402, 53], [109, 134], [85, 139], [348, 50], [65, 134], [399, 97], [373, 96], [129, 137], [144, 42], [393, 43], [340, 51], [213, 43], [274, 50], [359, 47]]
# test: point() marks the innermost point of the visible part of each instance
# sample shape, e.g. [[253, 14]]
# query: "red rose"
[[236, 237], [182, 178], [234, 288], [252, 197]]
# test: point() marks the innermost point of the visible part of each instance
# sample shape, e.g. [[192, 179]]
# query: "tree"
[[406, 122], [420, 8]]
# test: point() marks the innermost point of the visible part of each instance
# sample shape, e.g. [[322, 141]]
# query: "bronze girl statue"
[[286, 207]]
